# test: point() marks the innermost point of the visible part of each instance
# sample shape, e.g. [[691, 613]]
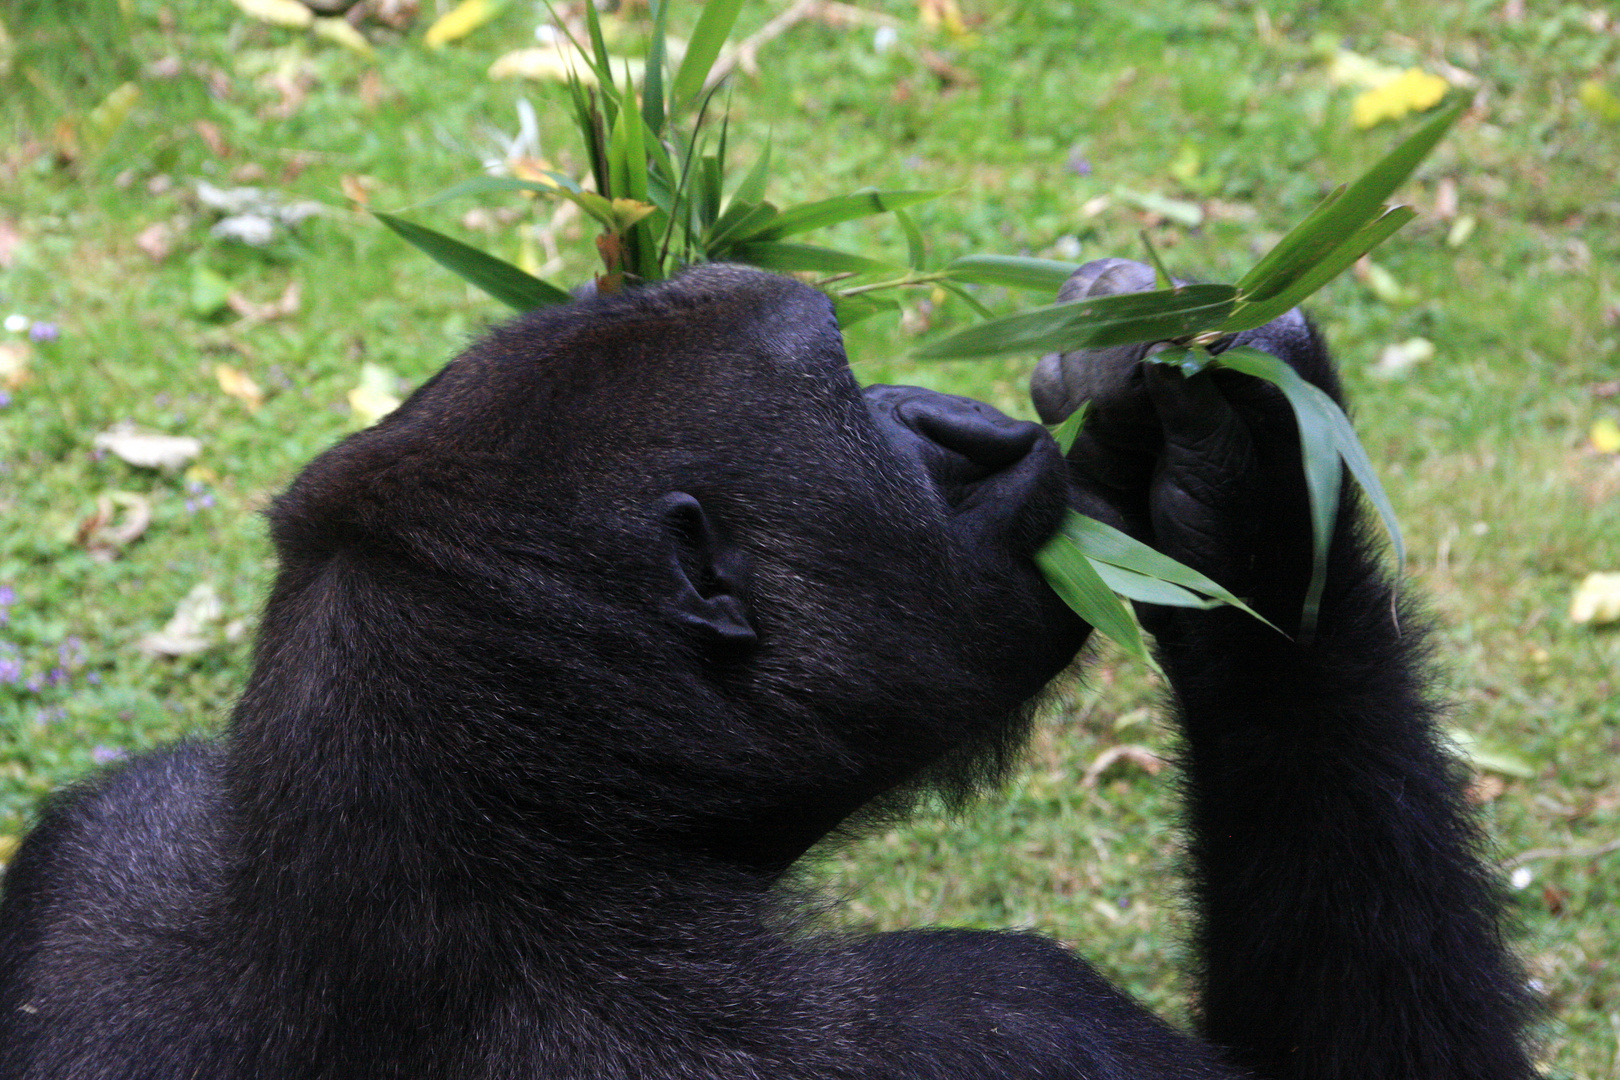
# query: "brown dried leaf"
[[210, 133], [10, 237], [239, 386], [103, 533], [14, 357], [156, 240], [288, 304], [1139, 756]]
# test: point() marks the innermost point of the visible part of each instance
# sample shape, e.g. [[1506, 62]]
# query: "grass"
[[1041, 122]]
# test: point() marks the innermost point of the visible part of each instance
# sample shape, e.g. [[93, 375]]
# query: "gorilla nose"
[[989, 441]]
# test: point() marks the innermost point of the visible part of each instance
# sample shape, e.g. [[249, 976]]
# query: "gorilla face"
[[665, 554]]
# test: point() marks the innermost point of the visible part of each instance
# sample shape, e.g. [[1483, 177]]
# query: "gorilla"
[[571, 657]]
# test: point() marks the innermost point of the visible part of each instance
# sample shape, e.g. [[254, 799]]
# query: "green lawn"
[[1052, 125]]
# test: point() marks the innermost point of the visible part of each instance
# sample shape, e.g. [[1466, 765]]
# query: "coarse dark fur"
[[573, 655]]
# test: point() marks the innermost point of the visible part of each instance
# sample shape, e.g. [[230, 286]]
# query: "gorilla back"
[[566, 661]]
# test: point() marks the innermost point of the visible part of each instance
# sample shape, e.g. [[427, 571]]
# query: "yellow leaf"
[[239, 386], [8, 848], [554, 63], [14, 357], [340, 32], [1346, 68], [626, 212], [1597, 600], [1413, 90], [1606, 436], [460, 21], [374, 397], [1600, 99], [278, 12]]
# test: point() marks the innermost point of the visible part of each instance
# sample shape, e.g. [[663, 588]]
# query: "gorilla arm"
[[1347, 925]]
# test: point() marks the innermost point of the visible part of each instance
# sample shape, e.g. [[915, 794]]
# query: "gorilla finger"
[[1108, 378], [1207, 445]]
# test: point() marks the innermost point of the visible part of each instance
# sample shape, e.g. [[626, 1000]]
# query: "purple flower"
[[70, 654], [11, 665], [8, 596], [44, 331], [5, 399], [106, 755]]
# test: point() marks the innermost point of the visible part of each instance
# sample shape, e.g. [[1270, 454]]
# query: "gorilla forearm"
[[1347, 926]]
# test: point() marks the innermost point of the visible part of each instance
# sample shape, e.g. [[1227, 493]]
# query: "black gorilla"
[[575, 653]]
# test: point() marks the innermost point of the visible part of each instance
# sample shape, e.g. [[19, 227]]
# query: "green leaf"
[[841, 208], [1248, 314], [1038, 275], [778, 256], [1149, 590], [502, 280], [1344, 213], [1344, 440], [1106, 544], [703, 49], [956, 289], [1092, 322], [752, 189], [916, 249], [850, 310], [1319, 444], [1069, 430], [736, 222], [1074, 578], [652, 81]]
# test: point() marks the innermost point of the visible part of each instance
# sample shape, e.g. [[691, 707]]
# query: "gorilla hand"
[[1206, 468]]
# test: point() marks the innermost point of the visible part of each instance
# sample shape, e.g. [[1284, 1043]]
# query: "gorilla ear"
[[707, 587]]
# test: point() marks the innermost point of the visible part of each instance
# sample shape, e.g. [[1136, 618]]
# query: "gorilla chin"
[[572, 656]]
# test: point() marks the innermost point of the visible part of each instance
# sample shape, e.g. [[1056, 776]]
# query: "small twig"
[[1560, 853]]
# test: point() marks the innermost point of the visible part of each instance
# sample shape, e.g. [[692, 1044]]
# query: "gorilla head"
[[659, 569]]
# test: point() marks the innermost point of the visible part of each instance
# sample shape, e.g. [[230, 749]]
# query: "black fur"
[[573, 655]]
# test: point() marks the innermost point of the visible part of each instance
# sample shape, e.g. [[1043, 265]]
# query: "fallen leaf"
[[8, 848], [10, 237], [239, 386], [1400, 358], [14, 357], [557, 62], [278, 12], [1486, 756], [1140, 756], [1413, 90], [1461, 230], [374, 397], [1596, 600], [156, 241], [149, 451], [103, 533], [287, 305], [358, 189], [340, 32], [1381, 283], [210, 133], [1600, 100], [1605, 436], [460, 21], [209, 292], [1486, 787], [188, 631]]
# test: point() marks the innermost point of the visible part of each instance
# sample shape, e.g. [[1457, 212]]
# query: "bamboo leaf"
[[752, 189], [738, 220], [1149, 590], [502, 280], [916, 249], [956, 289], [1093, 322], [1344, 440], [1069, 430], [779, 256], [1248, 314], [652, 79], [703, 48], [1074, 578], [1039, 275], [1335, 221], [841, 208], [1106, 544], [850, 310], [1319, 444]]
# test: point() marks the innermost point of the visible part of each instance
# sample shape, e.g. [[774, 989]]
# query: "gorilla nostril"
[[986, 438]]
